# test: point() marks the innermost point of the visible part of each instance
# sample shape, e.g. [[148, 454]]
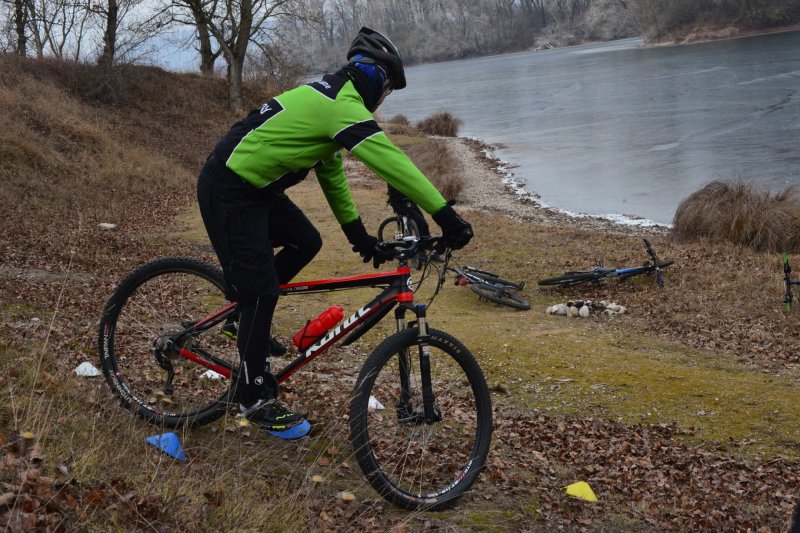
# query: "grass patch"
[[743, 213], [444, 124]]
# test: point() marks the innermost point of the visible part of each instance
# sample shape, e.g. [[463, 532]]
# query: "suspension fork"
[[431, 412]]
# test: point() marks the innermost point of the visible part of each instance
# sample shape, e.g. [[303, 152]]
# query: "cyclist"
[[241, 192]]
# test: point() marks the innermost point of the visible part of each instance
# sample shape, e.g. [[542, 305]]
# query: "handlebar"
[[411, 246], [656, 263]]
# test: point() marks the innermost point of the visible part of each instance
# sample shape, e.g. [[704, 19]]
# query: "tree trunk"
[[20, 20], [110, 35], [235, 67], [207, 55]]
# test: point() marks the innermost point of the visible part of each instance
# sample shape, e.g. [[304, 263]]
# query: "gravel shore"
[[490, 187]]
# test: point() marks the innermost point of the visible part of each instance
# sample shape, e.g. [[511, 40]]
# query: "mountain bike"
[[490, 286], [597, 273], [164, 357], [788, 296], [398, 227]]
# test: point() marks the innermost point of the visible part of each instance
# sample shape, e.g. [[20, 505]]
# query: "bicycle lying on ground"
[[491, 287], [788, 296], [164, 357], [597, 273]]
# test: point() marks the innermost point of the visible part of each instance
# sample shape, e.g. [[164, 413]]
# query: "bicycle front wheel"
[[395, 228], [411, 459], [570, 279], [153, 303], [500, 295]]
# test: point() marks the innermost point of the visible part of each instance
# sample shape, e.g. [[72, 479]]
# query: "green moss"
[[491, 520], [16, 309], [191, 220]]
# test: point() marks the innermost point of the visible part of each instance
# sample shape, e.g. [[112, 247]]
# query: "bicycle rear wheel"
[[413, 463], [570, 279], [494, 278], [500, 295], [155, 301]]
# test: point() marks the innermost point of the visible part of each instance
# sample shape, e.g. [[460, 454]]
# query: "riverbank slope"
[[679, 413]]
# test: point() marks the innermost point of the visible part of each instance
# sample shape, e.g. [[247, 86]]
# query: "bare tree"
[[235, 24], [57, 26], [198, 14]]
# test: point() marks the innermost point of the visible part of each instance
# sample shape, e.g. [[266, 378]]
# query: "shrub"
[[742, 213], [438, 163], [400, 119], [442, 123]]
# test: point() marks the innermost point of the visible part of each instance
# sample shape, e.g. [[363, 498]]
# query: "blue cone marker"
[[169, 444]]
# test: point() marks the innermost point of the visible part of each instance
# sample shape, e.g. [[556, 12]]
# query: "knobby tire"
[[571, 279], [500, 296], [414, 464], [155, 300]]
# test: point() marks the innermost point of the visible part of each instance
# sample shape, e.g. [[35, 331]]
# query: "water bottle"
[[314, 329]]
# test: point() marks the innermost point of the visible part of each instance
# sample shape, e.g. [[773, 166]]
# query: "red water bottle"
[[314, 329]]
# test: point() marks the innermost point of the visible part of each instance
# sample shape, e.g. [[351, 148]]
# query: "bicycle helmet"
[[380, 49]]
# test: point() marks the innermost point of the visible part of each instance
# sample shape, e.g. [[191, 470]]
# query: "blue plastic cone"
[[169, 444], [295, 432]]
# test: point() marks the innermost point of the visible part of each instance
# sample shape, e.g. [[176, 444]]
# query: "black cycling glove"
[[363, 242], [455, 230]]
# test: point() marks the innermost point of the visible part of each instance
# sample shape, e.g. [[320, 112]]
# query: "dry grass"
[[439, 164], [712, 331], [400, 119], [443, 124], [742, 213]]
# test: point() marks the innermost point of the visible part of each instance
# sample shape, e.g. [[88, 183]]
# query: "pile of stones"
[[587, 308]]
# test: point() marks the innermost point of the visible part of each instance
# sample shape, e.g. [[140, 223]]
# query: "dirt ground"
[[681, 415]]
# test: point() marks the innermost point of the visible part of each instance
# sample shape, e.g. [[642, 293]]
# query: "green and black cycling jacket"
[[305, 128]]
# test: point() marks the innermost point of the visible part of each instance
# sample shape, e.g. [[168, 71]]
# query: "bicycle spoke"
[[421, 457], [148, 310]]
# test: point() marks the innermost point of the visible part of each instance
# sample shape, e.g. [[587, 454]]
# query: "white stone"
[[87, 370], [584, 311], [374, 403], [107, 225], [210, 374]]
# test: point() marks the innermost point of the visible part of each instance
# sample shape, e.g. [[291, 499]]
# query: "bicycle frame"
[[396, 290], [788, 296]]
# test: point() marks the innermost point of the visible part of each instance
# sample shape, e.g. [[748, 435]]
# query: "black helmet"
[[380, 49]]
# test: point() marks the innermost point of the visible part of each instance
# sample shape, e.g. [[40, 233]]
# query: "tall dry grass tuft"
[[439, 164], [400, 119], [443, 124], [742, 213]]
